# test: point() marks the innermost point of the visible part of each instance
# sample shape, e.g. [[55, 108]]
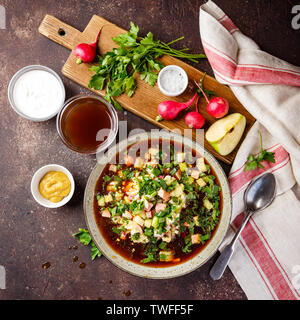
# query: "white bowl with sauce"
[[36, 93], [38, 176], [172, 81]]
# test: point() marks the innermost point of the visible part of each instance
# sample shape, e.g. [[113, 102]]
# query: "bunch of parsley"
[[255, 161], [116, 69]]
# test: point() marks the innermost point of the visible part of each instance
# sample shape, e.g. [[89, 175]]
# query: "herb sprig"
[[85, 238], [116, 69], [255, 161]]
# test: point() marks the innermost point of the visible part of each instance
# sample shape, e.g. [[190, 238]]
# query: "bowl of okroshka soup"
[[158, 205]]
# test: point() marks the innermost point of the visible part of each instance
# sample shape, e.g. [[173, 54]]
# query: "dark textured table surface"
[[31, 235]]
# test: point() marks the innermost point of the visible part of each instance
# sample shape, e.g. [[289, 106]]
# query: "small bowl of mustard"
[[52, 186]]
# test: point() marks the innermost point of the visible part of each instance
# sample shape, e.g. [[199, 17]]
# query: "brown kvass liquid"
[[82, 120]]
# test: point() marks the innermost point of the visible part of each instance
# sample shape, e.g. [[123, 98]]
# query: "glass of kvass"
[[87, 124]]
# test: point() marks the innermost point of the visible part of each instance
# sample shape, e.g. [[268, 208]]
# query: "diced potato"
[[147, 156], [169, 180], [118, 196], [126, 200], [201, 165], [163, 194], [160, 207], [128, 160], [180, 156], [139, 220], [195, 174], [108, 198], [178, 191], [148, 205], [149, 214], [148, 223], [127, 215], [167, 237], [136, 228], [153, 152], [139, 163], [196, 221], [101, 202], [166, 255], [195, 238], [142, 239], [112, 186], [105, 213], [201, 182], [116, 219], [113, 168], [129, 225], [207, 204], [141, 213]]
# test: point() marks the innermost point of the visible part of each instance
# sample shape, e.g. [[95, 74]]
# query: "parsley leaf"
[[85, 238], [95, 252], [255, 161]]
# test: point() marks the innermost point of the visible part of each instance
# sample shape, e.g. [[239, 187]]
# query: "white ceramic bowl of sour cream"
[[36, 93], [172, 80]]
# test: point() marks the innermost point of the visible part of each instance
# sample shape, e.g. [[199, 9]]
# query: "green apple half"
[[225, 134]]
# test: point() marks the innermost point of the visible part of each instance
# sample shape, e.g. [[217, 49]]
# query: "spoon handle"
[[220, 265]]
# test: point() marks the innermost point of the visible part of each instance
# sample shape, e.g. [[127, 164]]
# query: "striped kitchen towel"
[[266, 261]]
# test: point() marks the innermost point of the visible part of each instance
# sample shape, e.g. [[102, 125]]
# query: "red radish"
[[194, 119], [169, 109], [86, 52], [217, 107]]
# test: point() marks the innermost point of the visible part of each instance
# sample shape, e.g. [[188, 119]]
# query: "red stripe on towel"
[[278, 262], [256, 74], [265, 261]]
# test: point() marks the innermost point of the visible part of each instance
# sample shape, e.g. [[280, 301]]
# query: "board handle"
[[60, 32]]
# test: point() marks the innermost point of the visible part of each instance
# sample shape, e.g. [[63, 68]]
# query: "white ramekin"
[[14, 79], [166, 69], [35, 181]]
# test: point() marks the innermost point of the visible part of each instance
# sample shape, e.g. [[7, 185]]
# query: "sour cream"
[[172, 80], [37, 94]]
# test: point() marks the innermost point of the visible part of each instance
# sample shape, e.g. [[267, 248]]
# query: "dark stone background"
[[31, 235]]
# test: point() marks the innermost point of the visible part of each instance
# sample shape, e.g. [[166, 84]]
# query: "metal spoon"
[[259, 194]]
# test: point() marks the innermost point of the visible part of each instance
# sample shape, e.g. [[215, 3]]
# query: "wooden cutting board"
[[145, 100]]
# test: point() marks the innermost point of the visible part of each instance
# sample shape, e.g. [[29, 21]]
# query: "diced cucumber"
[[155, 222], [183, 166], [207, 204], [166, 255], [101, 202]]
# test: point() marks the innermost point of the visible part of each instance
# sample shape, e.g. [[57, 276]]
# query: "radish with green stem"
[[217, 107], [194, 119], [168, 110]]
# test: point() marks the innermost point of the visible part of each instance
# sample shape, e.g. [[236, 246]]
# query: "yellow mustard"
[[54, 186]]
